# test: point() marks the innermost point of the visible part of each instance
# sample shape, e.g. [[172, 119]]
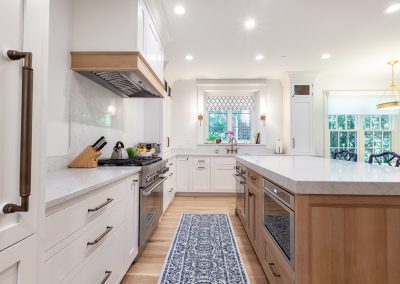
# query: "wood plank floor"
[[147, 269]]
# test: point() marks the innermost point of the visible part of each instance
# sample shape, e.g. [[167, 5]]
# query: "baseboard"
[[206, 194]]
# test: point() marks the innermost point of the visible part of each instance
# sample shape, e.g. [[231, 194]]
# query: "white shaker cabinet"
[[169, 184], [222, 175], [132, 222], [301, 127], [183, 168]]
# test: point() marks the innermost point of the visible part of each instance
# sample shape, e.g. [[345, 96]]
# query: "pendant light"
[[394, 103]]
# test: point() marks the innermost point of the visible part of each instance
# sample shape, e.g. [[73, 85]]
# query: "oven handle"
[[146, 192], [236, 176]]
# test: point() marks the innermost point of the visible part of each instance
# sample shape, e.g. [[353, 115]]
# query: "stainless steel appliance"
[[151, 199], [241, 191], [279, 218]]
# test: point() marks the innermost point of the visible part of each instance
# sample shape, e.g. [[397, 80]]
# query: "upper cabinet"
[[121, 25]]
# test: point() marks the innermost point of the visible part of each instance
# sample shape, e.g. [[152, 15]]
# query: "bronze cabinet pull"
[[108, 229], [108, 274], [26, 133], [272, 267], [108, 201], [253, 178]]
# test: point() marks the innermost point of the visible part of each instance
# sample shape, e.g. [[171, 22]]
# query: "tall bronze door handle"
[[26, 133], [108, 274]]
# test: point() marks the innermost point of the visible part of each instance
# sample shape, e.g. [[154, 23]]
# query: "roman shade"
[[227, 103]]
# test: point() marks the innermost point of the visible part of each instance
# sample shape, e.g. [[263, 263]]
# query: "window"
[[374, 131], [377, 134], [342, 133], [230, 113]]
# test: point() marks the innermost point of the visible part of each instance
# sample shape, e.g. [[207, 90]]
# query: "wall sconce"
[[263, 118], [200, 118], [112, 110]]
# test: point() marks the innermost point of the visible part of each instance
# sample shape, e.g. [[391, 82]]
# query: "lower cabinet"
[[106, 242], [17, 262], [201, 178], [254, 216], [183, 167], [170, 184]]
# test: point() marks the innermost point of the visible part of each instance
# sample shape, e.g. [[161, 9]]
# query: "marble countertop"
[[66, 184], [315, 175]]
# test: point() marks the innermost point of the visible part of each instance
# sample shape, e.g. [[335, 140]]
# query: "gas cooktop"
[[140, 161]]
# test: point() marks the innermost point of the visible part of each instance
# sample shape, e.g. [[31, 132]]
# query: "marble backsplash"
[[94, 112]]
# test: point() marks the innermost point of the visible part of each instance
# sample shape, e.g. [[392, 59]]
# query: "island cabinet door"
[[347, 239], [254, 216]]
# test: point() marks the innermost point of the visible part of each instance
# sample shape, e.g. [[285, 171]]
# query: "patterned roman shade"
[[225, 103]]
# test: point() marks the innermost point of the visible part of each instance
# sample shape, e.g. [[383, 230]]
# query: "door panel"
[[19, 30], [301, 128]]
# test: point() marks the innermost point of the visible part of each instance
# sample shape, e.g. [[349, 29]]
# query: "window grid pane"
[[217, 125], [343, 134], [376, 140], [241, 125]]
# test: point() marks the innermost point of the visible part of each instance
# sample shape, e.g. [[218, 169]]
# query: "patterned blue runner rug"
[[204, 250]]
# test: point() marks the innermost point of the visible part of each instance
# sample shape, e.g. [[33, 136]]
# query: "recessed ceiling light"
[[259, 57], [326, 56], [189, 57], [250, 24], [393, 8], [180, 10], [283, 57]]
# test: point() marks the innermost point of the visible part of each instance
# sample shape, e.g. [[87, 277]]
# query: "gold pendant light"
[[394, 89]]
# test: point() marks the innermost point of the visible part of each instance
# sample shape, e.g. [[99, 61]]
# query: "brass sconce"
[[263, 118], [200, 118]]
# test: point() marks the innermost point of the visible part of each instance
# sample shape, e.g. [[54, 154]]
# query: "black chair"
[[345, 155], [390, 158]]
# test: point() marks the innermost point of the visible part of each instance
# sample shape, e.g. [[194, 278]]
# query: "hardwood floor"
[[147, 269]]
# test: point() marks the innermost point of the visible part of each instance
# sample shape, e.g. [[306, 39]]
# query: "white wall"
[[184, 121]]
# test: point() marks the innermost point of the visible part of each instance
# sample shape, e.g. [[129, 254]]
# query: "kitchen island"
[[346, 219]]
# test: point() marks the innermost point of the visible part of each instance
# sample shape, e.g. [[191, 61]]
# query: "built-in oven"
[[151, 205], [279, 218], [240, 177]]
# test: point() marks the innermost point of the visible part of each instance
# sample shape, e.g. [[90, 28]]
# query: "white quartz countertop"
[[314, 175], [66, 184]]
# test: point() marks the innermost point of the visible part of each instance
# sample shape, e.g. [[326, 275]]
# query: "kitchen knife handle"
[[97, 142], [26, 133]]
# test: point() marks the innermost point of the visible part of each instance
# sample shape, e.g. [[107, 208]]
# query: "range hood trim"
[[86, 62]]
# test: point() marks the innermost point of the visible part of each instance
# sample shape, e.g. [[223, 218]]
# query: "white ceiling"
[[357, 33]]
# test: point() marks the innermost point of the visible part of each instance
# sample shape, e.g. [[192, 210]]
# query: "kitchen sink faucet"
[[231, 149]]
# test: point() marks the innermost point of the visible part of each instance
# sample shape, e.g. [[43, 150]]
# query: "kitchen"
[[163, 141]]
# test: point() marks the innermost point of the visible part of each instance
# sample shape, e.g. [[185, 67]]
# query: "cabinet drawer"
[[61, 264], [225, 161], [201, 160], [253, 177], [277, 269], [62, 224], [107, 261]]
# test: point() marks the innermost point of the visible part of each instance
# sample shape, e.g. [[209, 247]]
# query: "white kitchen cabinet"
[[167, 125], [169, 184], [301, 127], [17, 263], [183, 169], [222, 175], [132, 222], [201, 177]]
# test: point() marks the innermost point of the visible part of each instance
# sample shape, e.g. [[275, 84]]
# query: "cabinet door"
[[132, 222], [182, 174], [223, 178], [254, 217], [17, 263], [301, 127], [20, 30], [201, 178]]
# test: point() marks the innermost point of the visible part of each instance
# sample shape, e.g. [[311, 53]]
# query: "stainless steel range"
[[151, 199]]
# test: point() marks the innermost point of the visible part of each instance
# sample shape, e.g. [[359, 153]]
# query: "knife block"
[[86, 159]]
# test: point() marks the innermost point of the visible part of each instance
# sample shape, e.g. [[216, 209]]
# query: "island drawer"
[[65, 222]]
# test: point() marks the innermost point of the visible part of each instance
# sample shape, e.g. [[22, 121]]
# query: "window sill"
[[228, 144]]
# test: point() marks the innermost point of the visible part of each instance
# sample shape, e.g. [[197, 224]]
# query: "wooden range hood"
[[127, 74]]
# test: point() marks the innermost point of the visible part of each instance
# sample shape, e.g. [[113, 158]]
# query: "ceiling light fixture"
[[189, 57], [180, 10], [250, 24], [393, 8], [326, 56], [259, 57], [394, 90]]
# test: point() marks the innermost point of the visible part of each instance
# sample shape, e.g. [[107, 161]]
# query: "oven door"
[[240, 196], [279, 224], [151, 201]]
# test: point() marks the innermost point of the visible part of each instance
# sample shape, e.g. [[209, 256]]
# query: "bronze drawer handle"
[[108, 201], [251, 194], [271, 266], [108, 229], [253, 178], [108, 274], [26, 133]]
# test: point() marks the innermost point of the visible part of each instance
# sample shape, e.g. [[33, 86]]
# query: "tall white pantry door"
[[23, 42]]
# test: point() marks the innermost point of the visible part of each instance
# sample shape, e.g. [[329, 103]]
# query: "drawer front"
[[62, 224], [106, 262], [253, 177], [201, 160], [277, 270], [61, 264], [225, 161]]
